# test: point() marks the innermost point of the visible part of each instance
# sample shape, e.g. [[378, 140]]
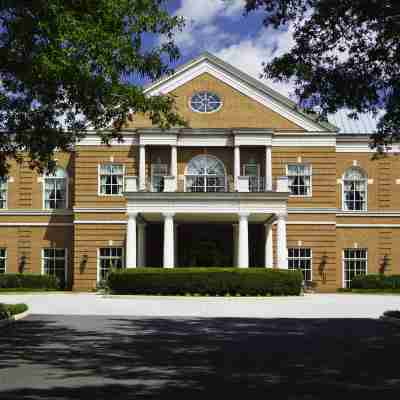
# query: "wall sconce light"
[[22, 264], [322, 267], [83, 263], [384, 264]]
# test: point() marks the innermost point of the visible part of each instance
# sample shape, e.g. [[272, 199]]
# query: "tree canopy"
[[346, 56], [66, 65]]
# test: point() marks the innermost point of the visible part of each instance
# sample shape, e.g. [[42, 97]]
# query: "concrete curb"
[[391, 320], [13, 318]]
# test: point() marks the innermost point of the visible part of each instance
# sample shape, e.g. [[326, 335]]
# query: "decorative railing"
[[208, 184]]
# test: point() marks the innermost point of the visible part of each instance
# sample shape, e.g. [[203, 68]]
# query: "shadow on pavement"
[[66, 357]]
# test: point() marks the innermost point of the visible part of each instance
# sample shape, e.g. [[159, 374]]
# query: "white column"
[[131, 241], [236, 166], [168, 259], [141, 245], [142, 167], [268, 168], [281, 241], [269, 248], [174, 162], [243, 248], [235, 244]]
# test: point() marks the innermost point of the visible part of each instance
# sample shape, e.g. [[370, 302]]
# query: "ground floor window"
[[3, 260], [354, 263], [301, 258], [109, 257], [54, 262]]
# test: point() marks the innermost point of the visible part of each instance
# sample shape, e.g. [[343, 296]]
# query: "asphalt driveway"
[[98, 357]]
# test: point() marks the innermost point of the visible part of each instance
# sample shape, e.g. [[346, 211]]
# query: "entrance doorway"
[[205, 245]]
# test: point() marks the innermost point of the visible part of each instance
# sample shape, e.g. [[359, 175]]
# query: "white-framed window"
[[109, 257], [205, 173], [355, 190], [158, 172], [54, 262], [252, 170], [205, 102], [355, 262], [3, 260], [299, 176], [111, 179], [301, 258], [55, 189], [3, 192]]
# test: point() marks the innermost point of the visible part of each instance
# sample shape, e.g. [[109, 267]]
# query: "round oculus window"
[[205, 102]]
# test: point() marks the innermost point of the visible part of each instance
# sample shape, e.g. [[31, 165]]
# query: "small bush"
[[375, 281], [206, 281], [8, 310], [392, 314], [28, 281]]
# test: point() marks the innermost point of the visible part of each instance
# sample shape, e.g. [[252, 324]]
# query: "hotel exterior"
[[252, 182]]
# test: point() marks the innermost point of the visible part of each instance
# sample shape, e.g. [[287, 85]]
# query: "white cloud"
[[249, 54], [200, 17]]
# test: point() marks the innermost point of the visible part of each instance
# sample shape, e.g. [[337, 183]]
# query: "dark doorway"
[[205, 245]]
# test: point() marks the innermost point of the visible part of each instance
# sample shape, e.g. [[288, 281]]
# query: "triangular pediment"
[[247, 103]]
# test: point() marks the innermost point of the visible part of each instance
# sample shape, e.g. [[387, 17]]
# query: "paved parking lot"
[[52, 357], [309, 306]]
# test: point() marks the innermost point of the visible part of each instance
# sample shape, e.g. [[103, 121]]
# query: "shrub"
[[375, 281], [392, 314], [28, 281], [205, 281], [7, 310]]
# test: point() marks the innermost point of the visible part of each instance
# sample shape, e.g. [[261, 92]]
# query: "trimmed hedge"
[[8, 310], [376, 281], [28, 281], [206, 281]]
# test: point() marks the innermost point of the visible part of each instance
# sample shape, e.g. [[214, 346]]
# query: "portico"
[[239, 209]]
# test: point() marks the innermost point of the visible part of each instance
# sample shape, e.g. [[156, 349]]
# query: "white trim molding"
[[48, 224]]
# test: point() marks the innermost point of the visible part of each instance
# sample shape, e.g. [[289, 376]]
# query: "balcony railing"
[[207, 184]]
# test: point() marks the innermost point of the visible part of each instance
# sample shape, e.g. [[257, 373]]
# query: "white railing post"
[[243, 184], [282, 184]]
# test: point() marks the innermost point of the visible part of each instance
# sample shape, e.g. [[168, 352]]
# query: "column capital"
[[168, 214], [243, 214], [132, 215], [282, 215]]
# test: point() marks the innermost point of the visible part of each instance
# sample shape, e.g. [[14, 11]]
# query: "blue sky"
[[220, 27]]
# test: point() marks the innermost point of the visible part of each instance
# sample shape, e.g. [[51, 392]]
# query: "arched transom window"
[[55, 189], [355, 185], [205, 173]]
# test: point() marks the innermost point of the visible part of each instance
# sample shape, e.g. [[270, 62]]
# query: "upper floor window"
[[55, 189], [158, 171], [205, 102], [111, 179], [252, 170], [355, 184], [299, 176], [3, 192], [3, 260], [205, 173]]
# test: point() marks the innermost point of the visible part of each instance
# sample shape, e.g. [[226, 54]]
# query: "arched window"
[[355, 185], [205, 173], [55, 189]]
